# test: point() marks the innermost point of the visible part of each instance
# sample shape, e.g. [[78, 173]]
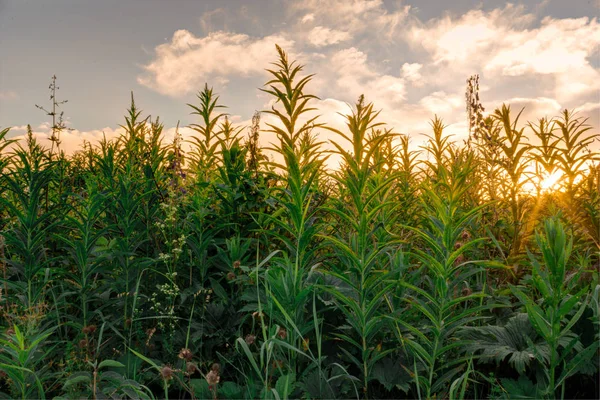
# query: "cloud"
[[346, 10], [541, 64], [411, 73], [354, 15], [8, 95], [587, 107], [308, 18], [354, 75], [473, 35], [504, 44], [320, 36], [184, 64], [71, 141], [557, 46], [214, 20], [442, 103], [535, 108]]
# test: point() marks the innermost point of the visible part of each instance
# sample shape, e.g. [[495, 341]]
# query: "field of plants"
[[142, 268]]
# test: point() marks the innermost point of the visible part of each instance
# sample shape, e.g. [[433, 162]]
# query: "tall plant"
[[445, 303], [559, 308], [358, 246], [296, 223]]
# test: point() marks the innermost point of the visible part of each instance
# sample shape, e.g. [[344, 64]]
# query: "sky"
[[410, 58]]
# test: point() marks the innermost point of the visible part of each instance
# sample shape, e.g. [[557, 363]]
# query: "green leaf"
[[76, 378], [110, 364], [285, 385]]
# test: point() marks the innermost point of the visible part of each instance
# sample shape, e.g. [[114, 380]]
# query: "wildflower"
[[282, 333], [90, 329], [83, 343], [236, 264], [257, 315], [185, 354], [230, 276], [164, 257], [212, 378], [250, 339], [305, 343], [190, 368], [167, 372]]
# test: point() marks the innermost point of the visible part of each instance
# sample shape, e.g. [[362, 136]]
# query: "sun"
[[543, 182], [551, 182]]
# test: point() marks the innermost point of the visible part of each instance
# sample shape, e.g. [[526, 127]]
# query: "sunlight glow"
[[543, 182], [551, 181]]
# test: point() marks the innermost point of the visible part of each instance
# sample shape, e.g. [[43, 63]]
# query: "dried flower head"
[[282, 333], [167, 372], [89, 330], [149, 332], [185, 354], [257, 315], [190, 368], [231, 276], [236, 264], [250, 339], [212, 378]]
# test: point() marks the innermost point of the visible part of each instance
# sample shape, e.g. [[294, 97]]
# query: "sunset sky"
[[411, 58]]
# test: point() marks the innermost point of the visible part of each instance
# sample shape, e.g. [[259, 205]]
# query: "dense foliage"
[[133, 269]]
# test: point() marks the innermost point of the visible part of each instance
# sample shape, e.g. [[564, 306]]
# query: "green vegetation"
[[133, 269]]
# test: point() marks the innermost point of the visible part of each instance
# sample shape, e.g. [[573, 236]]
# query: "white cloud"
[[587, 107], [411, 72], [184, 64], [514, 57], [535, 107], [442, 104], [476, 34], [557, 46], [308, 18], [355, 76], [542, 65], [320, 36], [355, 15]]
